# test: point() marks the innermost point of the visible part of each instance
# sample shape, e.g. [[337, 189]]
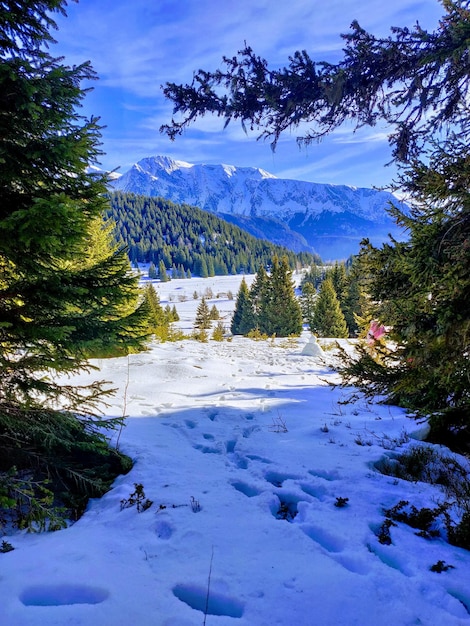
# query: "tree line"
[[185, 240]]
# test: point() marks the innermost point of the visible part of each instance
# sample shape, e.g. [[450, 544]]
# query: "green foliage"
[[257, 335], [203, 316], [214, 313], [425, 519], [162, 273], [51, 463], [218, 332], [189, 239], [328, 319], [243, 316], [200, 334], [270, 306], [413, 79], [6, 547], [159, 319], [459, 534], [66, 289], [279, 310], [383, 534], [307, 302]]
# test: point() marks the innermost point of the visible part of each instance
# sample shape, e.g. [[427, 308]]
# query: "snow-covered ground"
[[244, 449]]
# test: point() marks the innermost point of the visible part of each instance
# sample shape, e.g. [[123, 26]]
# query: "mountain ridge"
[[327, 219]]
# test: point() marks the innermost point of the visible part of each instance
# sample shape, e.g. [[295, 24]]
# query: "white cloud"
[[136, 47]]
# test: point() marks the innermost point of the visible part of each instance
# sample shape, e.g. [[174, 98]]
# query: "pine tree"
[[203, 319], [243, 319], [328, 319], [152, 273], [65, 290]]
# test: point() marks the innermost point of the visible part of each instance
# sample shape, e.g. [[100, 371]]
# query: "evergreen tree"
[[339, 279], [65, 290], [243, 319], [280, 313], [258, 293], [202, 269], [328, 319], [214, 313], [152, 271], [162, 272], [354, 302], [159, 318], [307, 302], [314, 276], [218, 332], [203, 319]]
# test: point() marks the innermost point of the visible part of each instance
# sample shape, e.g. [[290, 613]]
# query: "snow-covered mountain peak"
[[317, 212]]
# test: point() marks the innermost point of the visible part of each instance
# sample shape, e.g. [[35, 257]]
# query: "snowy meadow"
[[255, 499]]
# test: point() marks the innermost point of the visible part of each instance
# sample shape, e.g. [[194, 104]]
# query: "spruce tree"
[[243, 319], [328, 319], [159, 318], [65, 290], [214, 313], [162, 272], [280, 313], [307, 302], [258, 293], [203, 318]]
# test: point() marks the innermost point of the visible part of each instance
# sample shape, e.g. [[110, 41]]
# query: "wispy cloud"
[[137, 46]]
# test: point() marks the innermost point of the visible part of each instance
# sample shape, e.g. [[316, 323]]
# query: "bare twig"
[[206, 609]]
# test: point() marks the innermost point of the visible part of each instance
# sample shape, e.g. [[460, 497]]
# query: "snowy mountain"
[[328, 219]]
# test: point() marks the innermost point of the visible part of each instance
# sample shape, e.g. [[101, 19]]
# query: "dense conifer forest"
[[189, 240]]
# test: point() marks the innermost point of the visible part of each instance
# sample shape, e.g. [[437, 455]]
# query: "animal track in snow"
[[328, 541], [285, 507], [317, 491], [247, 432], [246, 489], [163, 529], [261, 459], [277, 478], [320, 473], [197, 598], [388, 556], [206, 449]]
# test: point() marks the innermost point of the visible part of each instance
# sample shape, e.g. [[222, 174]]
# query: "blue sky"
[[136, 47]]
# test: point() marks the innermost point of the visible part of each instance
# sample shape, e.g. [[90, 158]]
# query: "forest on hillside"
[[189, 240]]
